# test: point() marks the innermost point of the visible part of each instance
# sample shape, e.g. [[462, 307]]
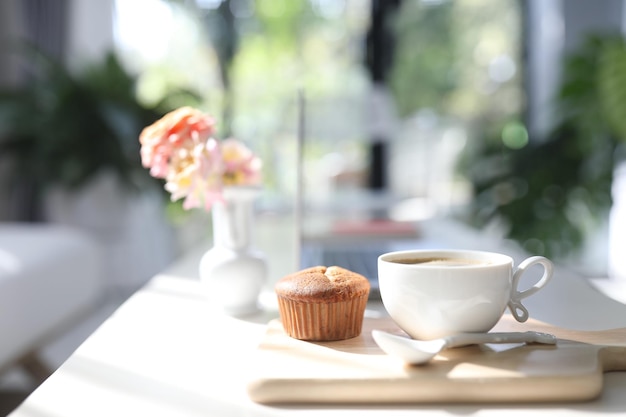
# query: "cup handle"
[[515, 304]]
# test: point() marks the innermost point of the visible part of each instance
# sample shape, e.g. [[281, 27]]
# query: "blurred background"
[[506, 115]]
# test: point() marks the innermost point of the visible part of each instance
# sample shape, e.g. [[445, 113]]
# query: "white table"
[[167, 352]]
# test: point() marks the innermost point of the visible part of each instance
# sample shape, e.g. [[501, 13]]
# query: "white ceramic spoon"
[[417, 352]]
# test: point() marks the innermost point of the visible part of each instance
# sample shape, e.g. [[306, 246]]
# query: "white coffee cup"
[[468, 292]]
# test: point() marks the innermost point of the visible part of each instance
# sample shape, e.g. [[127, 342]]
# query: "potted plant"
[[551, 193], [60, 129]]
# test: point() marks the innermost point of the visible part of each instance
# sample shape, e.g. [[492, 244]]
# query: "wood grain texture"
[[356, 371]]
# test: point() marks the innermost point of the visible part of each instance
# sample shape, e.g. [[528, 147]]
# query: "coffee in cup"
[[436, 293], [441, 261]]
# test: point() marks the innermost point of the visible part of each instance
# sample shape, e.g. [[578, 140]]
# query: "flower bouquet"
[[181, 149]]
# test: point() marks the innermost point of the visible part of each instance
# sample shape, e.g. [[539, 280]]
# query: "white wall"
[[90, 33]]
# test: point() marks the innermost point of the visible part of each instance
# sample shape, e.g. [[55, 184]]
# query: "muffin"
[[322, 303]]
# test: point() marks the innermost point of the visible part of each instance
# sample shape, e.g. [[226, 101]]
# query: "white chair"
[[49, 280]]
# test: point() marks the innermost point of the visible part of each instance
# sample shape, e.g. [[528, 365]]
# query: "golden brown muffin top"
[[321, 284]]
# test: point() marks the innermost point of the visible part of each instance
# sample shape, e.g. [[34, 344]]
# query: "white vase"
[[232, 271]]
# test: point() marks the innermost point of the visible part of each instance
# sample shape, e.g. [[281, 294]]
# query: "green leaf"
[[612, 86]]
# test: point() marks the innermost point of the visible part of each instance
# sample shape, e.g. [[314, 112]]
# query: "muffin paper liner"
[[322, 321]]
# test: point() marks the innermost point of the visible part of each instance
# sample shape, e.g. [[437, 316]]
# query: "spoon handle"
[[464, 339]]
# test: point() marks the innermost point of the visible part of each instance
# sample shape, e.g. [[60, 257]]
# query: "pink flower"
[[182, 128], [195, 175], [180, 149], [241, 166]]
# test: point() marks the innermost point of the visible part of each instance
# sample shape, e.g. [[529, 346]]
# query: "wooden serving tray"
[[287, 370]]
